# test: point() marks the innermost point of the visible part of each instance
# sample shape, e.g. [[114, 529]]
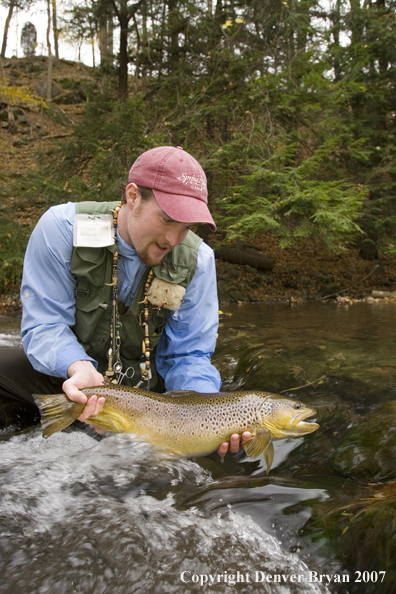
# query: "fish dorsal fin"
[[180, 393], [261, 442]]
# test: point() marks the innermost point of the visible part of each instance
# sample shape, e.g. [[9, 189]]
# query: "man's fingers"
[[223, 449], [246, 435], [73, 393], [99, 405], [89, 409], [236, 443], [94, 407]]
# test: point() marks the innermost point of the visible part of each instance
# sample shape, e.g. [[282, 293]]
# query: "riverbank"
[[307, 271], [304, 273]]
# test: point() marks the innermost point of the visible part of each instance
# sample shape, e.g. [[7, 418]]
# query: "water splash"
[[10, 339], [78, 515]]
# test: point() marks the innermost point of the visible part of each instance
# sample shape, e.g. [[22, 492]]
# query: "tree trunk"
[[92, 33], [137, 48], [383, 60], [123, 72], [56, 32], [145, 45], [124, 15], [103, 40], [173, 32], [110, 36], [335, 16], [6, 27], [49, 69], [356, 23]]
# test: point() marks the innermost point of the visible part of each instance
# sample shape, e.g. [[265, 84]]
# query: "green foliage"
[[13, 240], [368, 63], [289, 202], [265, 120], [95, 164], [92, 166], [295, 130]]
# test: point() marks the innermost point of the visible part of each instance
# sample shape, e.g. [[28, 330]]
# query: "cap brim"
[[185, 209]]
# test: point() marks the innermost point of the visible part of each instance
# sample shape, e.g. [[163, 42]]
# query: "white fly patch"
[[164, 294]]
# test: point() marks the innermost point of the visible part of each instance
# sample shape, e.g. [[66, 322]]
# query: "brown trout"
[[186, 423]]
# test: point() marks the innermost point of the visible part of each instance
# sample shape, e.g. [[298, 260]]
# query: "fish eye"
[[297, 406]]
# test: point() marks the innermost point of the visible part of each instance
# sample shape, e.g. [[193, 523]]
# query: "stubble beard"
[[148, 260]]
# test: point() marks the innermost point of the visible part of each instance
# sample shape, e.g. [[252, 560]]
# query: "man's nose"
[[176, 235]]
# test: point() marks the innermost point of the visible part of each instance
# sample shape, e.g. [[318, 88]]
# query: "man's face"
[[145, 226]]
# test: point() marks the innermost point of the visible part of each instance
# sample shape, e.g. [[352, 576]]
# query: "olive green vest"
[[92, 269]]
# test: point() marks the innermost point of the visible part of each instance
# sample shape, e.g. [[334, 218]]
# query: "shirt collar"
[[124, 249]]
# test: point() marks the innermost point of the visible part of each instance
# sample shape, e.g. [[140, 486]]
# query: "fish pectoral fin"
[[269, 455], [259, 443], [110, 420]]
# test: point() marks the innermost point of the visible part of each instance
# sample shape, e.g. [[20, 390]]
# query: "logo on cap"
[[197, 182]]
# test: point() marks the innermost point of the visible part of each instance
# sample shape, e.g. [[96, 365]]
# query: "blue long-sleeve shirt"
[[47, 293]]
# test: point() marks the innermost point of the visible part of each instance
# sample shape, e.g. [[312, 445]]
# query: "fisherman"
[[122, 290]]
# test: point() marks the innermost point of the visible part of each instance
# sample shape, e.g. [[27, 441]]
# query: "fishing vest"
[[92, 270]]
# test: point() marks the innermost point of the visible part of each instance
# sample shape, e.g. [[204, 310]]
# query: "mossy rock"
[[71, 98], [368, 451], [34, 66], [361, 528], [41, 88]]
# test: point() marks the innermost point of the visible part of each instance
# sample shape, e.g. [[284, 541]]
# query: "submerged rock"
[[368, 451], [361, 528]]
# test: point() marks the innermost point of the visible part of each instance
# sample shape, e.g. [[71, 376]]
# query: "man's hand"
[[82, 374], [235, 443]]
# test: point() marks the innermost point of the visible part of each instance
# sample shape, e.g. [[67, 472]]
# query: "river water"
[[89, 514]]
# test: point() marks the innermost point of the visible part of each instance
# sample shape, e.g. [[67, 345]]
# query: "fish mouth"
[[298, 424]]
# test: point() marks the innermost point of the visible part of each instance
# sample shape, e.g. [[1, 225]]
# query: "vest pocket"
[[171, 273], [87, 305], [89, 313], [91, 262]]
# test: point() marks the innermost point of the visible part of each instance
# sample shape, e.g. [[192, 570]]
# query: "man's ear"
[[132, 195]]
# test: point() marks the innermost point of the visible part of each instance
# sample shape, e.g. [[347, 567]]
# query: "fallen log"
[[248, 256], [383, 294]]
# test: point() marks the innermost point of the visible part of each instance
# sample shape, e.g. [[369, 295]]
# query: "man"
[[76, 271]]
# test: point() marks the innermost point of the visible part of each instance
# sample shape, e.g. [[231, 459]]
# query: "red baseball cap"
[[178, 183]]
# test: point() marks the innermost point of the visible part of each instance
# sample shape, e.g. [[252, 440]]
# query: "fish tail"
[[57, 411]]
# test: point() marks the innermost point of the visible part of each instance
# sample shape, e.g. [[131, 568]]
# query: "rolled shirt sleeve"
[[184, 351], [47, 294]]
